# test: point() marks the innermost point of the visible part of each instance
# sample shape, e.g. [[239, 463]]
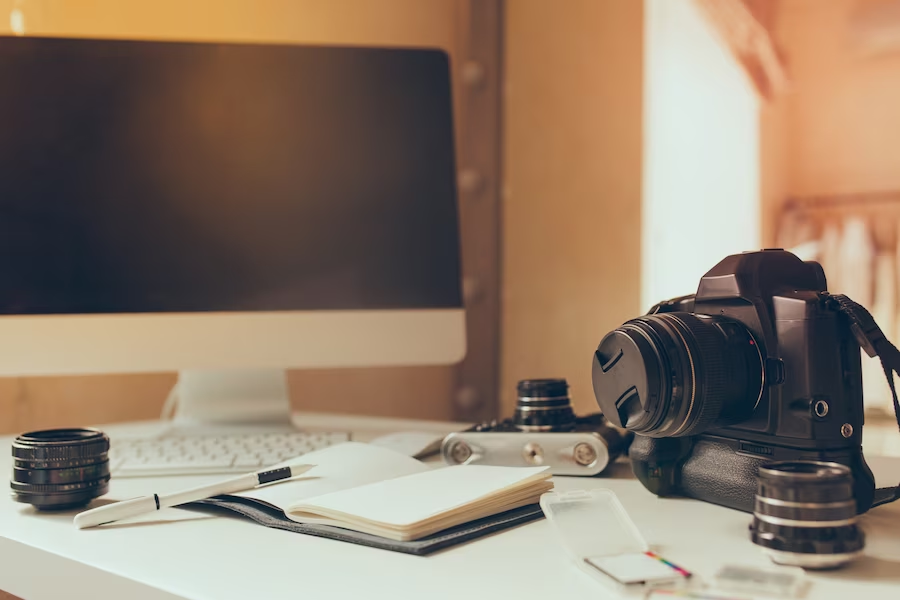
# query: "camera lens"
[[544, 405], [60, 468], [805, 514], [676, 374]]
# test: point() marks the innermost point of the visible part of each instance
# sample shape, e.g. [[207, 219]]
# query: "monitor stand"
[[232, 399]]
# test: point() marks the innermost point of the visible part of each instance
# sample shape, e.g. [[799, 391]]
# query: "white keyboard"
[[206, 454]]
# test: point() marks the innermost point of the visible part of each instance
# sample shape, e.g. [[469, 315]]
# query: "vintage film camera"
[[543, 432], [761, 365]]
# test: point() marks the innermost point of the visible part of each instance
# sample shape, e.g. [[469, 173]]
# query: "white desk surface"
[[185, 554]]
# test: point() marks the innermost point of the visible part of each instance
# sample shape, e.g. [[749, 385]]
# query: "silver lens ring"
[[805, 514], [543, 405]]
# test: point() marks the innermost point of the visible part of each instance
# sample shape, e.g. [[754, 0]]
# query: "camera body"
[[802, 400], [544, 431]]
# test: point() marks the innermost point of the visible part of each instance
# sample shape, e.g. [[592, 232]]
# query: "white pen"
[[146, 504]]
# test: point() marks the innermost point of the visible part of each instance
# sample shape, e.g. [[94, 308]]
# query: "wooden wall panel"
[[414, 393], [572, 186], [42, 402], [386, 22], [423, 393], [478, 70]]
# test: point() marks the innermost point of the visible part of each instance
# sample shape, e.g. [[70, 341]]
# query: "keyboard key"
[[177, 455]]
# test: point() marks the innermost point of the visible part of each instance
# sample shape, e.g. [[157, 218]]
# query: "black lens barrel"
[[677, 374], [60, 468], [805, 514], [544, 405]]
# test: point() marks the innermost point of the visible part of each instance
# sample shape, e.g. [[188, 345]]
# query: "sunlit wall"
[[701, 152]]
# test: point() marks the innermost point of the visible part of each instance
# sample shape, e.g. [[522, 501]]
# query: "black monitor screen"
[[173, 177]]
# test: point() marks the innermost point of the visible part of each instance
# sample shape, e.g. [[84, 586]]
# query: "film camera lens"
[[677, 374], [544, 405], [805, 514], [60, 468]]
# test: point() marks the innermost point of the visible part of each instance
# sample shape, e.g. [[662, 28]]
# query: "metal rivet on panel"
[[472, 73], [472, 290], [470, 181], [584, 454], [533, 454], [460, 452], [467, 398]]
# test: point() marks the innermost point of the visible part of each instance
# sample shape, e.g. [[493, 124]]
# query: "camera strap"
[[875, 343]]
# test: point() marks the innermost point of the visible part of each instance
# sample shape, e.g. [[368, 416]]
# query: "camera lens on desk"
[[544, 405], [805, 514], [60, 468], [648, 373]]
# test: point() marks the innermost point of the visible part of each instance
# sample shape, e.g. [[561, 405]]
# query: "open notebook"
[[375, 496]]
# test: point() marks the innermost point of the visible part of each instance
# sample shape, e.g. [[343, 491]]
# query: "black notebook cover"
[[270, 516]]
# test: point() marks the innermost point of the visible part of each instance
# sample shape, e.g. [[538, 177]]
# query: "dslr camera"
[[760, 365], [544, 431]]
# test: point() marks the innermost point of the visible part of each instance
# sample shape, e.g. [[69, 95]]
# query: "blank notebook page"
[[338, 467], [414, 498]]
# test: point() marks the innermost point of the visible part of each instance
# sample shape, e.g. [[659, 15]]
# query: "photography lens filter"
[[805, 514], [60, 468]]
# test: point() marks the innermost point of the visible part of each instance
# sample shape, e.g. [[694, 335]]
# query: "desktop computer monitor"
[[225, 210]]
